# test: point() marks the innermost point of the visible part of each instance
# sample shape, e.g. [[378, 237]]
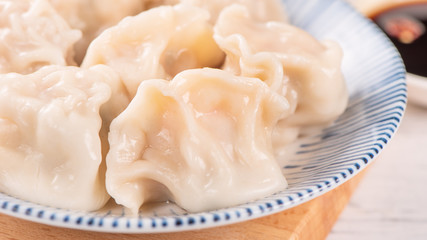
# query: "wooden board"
[[312, 220]]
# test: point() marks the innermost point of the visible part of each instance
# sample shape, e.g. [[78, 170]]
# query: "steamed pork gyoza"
[[50, 146], [265, 10], [158, 43], [33, 35], [202, 140], [291, 61]]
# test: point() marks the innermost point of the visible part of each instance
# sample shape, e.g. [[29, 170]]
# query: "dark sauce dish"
[[406, 26]]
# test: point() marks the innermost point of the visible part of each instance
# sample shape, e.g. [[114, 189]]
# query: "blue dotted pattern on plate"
[[376, 79]]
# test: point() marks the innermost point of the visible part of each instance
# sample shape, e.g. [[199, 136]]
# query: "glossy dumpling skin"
[[94, 16], [202, 140], [265, 10], [50, 146], [33, 35], [158, 43], [292, 62]]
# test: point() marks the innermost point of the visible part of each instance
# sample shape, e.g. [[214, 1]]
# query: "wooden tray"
[[311, 220]]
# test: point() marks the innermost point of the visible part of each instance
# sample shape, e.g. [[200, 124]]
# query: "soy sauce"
[[406, 26]]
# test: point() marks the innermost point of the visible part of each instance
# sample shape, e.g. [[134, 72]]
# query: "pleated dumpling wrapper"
[[291, 61], [94, 16], [265, 10], [202, 140], [33, 35], [158, 43], [50, 146]]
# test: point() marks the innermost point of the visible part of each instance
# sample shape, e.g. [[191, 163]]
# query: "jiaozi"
[[296, 65], [202, 140], [50, 146], [92, 17], [33, 35], [158, 43], [265, 10]]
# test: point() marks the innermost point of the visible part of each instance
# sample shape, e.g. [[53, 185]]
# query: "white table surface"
[[391, 200]]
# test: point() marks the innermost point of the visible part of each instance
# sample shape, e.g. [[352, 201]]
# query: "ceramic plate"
[[417, 89], [317, 163]]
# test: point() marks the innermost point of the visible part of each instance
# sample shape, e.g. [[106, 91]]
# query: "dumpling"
[[94, 16], [265, 10], [158, 43], [296, 65], [50, 146], [202, 140], [148, 4], [33, 35]]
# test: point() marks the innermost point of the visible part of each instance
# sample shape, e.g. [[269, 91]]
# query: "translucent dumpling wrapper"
[[202, 140], [33, 35], [291, 61], [158, 43], [265, 10], [50, 145], [94, 16], [148, 4]]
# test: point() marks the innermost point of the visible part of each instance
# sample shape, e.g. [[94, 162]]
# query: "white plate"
[[318, 163], [417, 89]]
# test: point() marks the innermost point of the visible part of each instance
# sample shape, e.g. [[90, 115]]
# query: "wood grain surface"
[[390, 202], [311, 220]]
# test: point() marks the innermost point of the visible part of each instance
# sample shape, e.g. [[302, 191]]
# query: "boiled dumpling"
[[94, 16], [158, 43], [202, 140], [50, 146], [292, 62], [265, 10], [148, 4], [33, 35]]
